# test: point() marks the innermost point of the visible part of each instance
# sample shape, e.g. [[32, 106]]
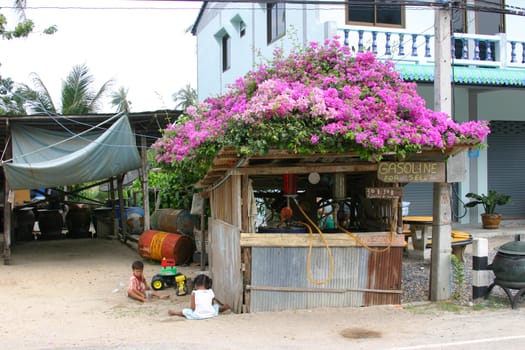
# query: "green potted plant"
[[489, 218]]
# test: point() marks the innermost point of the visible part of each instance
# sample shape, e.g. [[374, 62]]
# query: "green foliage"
[[23, 27], [170, 185], [50, 30], [10, 103], [458, 274], [489, 202]]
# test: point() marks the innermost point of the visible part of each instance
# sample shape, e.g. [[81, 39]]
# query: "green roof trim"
[[465, 75]]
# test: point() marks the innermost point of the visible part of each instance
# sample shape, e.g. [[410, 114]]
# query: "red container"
[[156, 245], [290, 184]]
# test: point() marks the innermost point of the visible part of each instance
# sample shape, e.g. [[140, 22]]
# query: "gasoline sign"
[[411, 171]]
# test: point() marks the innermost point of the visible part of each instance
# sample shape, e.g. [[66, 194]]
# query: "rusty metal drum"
[[50, 223], [157, 245], [173, 220], [78, 221], [24, 223]]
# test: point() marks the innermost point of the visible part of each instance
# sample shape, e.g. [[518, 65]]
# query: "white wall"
[[250, 50], [501, 104]]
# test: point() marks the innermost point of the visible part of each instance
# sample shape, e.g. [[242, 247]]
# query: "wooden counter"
[[373, 239]]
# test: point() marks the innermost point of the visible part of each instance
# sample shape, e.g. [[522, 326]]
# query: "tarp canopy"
[[45, 158]]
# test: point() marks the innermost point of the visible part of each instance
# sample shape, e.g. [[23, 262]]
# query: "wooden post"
[[247, 275], [204, 235], [124, 233], [7, 207], [113, 207], [7, 224], [144, 181]]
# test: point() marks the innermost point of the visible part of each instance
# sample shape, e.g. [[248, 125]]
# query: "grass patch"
[[492, 303], [449, 306]]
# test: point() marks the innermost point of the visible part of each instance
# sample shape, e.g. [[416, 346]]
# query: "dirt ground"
[[71, 294]]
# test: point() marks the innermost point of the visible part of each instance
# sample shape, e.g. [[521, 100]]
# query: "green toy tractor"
[[168, 277]]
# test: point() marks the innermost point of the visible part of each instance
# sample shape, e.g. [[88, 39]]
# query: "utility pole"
[[442, 225]]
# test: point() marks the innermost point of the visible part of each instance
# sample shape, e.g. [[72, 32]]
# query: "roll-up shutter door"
[[506, 164], [420, 197]]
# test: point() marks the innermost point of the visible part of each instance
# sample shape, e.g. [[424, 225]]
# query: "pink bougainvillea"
[[321, 98]]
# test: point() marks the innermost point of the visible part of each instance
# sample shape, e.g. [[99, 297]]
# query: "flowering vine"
[[317, 99]]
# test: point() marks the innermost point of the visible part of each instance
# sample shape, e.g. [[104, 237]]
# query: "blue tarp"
[[43, 158]]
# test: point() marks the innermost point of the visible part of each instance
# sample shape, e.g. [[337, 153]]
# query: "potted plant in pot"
[[489, 218]]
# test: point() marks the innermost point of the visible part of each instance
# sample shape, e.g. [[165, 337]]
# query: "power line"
[[487, 6]]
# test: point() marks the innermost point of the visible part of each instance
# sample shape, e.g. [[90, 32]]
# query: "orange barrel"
[[156, 245], [173, 220]]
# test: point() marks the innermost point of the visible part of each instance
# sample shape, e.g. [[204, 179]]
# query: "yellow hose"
[[330, 256], [310, 246], [364, 245]]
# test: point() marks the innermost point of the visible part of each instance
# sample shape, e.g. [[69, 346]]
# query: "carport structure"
[[138, 131]]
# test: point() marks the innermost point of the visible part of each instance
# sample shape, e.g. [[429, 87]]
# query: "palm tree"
[[77, 97], [120, 100], [185, 97]]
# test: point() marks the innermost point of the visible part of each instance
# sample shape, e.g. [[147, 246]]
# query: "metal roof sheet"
[[465, 75]]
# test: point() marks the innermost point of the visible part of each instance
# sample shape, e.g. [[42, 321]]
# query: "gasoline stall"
[[290, 231]]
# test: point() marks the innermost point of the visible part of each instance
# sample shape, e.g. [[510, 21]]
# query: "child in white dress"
[[203, 303]]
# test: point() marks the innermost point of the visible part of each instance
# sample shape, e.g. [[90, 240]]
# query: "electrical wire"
[[487, 6]]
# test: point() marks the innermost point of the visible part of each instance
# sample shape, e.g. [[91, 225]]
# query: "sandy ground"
[[70, 294]]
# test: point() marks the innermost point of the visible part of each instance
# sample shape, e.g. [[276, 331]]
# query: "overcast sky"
[[145, 50]]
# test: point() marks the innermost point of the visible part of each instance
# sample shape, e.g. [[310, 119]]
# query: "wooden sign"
[[384, 192], [411, 171]]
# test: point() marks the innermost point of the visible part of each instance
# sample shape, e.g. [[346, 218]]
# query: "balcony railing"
[[466, 49]]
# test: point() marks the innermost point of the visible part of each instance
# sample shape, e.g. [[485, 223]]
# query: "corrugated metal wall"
[[283, 273], [384, 272]]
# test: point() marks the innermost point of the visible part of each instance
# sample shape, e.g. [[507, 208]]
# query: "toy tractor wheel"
[[157, 283]]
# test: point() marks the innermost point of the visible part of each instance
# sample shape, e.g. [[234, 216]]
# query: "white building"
[[488, 68]]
